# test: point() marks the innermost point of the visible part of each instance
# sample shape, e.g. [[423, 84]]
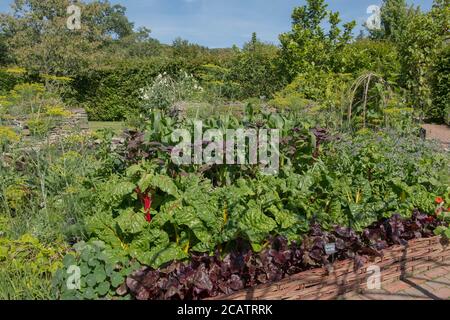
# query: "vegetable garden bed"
[[325, 265], [322, 283]]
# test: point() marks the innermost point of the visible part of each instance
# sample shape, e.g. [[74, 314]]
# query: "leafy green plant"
[[47, 192], [354, 182], [307, 47], [100, 277], [420, 43], [39, 126], [440, 86], [253, 72], [27, 267], [9, 77], [443, 213], [442, 231]]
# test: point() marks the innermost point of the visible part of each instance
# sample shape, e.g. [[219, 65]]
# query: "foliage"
[[7, 135], [443, 213], [38, 110], [210, 276], [114, 93], [352, 182], [39, 127], [10, 77], [57, 111], [308, 47], [371, 102], [191, 51], [254, 70], [27, 267], [321, 88], [109, 62], [52, 48], [353, 169], [4, 55], [440, 86], [420, 39], [47, 191], [394, 19], [23, 99], [364, 55], [164, 91], [100, 276], [417, 51]]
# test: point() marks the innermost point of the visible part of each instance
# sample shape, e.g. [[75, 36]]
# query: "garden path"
[[438, 132], [431, 285]]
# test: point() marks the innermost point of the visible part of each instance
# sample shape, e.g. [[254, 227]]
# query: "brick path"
[[431, 285]]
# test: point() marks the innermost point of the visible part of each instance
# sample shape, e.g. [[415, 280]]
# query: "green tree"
[[420, 39], [419, 46], [254, 69], [378, 56], [308, 46], [39, 39], [440, 86], [137, 44], [395, 15], [182, 48], [3, 50], [440, 81], [115, 22]]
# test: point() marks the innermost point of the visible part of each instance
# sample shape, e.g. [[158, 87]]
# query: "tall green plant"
[[308, 46]]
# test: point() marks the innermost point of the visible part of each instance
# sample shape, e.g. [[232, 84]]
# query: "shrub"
[[39, 126], [28, 98], [16, 195], [8, 135], [57, 111], [441, 87], [10, 77], [27, 267], [320, 93], [114, 93], [380, 57], [254, 70], [165, 90]]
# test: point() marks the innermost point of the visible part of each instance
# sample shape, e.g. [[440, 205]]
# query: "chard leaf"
[[284, 218], [187, 216], [131, 222], [159, 255], [256, 225], [103, 226], [161, 182]]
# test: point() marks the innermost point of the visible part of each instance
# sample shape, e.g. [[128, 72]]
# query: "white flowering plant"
[[165, 90]]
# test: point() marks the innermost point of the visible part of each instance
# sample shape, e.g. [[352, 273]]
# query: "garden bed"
[[325, 265], [322, 283]]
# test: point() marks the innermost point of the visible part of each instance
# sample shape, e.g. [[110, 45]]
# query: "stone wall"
[[76, 122]]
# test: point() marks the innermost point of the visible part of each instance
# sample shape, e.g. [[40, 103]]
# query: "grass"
[[116, 126], [25, 285]]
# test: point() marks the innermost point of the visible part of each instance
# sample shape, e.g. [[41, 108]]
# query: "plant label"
[[330, 248]]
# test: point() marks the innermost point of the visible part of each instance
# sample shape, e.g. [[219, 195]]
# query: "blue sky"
[[222, 23]]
